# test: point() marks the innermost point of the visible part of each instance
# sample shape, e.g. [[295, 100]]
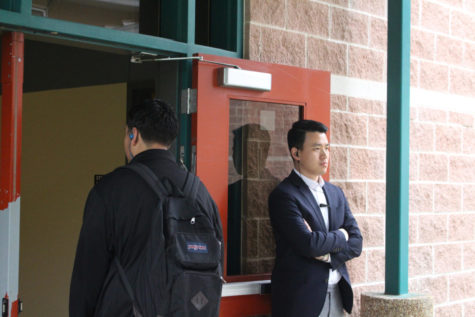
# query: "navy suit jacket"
[[299, 281]]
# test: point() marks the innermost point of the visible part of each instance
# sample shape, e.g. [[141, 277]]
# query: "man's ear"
[[295, 153], [134, 135]]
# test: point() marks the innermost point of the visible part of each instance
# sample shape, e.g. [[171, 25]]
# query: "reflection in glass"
[[259, 160], [114, 14]]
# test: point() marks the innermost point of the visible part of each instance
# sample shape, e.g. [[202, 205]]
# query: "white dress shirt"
[[316, 188]]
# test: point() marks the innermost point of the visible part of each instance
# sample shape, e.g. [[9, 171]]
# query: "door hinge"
[[188, 101]]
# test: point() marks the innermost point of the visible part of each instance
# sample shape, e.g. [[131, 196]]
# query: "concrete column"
[[379, 304]]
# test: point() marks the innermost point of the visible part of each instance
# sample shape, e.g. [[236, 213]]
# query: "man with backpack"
[[151, 243]]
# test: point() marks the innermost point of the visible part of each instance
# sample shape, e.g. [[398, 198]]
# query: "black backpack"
[[183, 256]]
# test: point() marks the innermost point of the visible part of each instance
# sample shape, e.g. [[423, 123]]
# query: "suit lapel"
[[308, 198]]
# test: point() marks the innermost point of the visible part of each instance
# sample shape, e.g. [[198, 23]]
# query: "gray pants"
[[333, 306]]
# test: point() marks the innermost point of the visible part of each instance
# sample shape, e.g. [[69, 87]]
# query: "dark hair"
[[155, 120], [296, 135]]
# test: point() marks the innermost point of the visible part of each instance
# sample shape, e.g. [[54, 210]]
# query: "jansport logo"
[[197, 247]]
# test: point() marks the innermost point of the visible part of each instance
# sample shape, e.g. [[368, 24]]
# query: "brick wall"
[[348, 38]]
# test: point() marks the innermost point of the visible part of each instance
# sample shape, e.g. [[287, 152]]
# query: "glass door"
[[240, 153]]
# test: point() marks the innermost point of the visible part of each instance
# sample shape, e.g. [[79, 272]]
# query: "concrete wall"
[[68, 136], [348, 38]]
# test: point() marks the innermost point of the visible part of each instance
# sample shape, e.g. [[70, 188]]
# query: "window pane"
[[115, 14], [215, 23], [258, 160]]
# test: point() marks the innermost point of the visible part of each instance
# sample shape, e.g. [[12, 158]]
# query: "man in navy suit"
[[314, 230]]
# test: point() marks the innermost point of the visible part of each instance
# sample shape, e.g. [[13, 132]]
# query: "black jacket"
[[116, 222]]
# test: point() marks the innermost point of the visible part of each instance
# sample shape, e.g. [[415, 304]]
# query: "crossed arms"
[[306, 239], [326, 257]]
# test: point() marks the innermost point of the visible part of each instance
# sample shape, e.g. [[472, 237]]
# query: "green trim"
[[25, 6], [11, 5], [186, 70], [186, 73], [88, 33], [397, 155], [190, 22], [101, 36], [239, 28], [211, 50], [184, 135]]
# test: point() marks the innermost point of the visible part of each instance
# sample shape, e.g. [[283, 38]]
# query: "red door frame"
[[210, 128], [12, 92]]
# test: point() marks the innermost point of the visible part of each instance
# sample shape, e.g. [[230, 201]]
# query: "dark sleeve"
[[288, 222], [354, 244], [92, 259]]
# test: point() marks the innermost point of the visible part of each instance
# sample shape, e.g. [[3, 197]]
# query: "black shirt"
[[116, 222]]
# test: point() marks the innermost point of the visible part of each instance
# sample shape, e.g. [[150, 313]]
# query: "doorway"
[[74, 107]]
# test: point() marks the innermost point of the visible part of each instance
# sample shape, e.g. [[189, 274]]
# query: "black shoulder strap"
[[125, 282], [192, 183], [190, 188], [123, 278], [150, 178]]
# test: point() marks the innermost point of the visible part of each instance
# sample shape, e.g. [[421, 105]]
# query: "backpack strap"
[[123, 278], [125, 282], [190, 188], [192, 184], [149, 177]]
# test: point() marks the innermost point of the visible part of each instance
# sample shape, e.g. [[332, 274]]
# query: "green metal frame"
[[15, 15], [19, 21], [397, 156]]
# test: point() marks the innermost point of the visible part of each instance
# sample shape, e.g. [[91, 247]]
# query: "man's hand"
[[323, 258], [345, 233], [308, 226]]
